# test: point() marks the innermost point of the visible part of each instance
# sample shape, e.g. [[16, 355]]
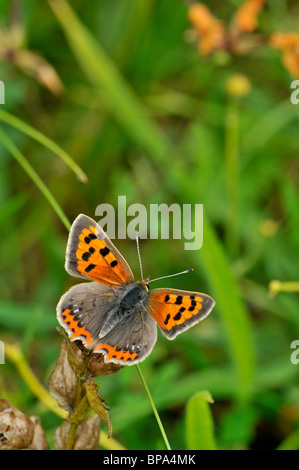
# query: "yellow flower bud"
[[238, 85]]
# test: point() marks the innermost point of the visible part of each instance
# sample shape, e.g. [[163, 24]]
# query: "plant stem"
[[78, 396], [232, 174], [16, 356], [154, 409], [72, 436], [277, 286]]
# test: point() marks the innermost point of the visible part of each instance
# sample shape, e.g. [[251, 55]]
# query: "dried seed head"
[[16, 430], [63, 380], [97, 366], [39, 441], [95, 362], [87, 435]]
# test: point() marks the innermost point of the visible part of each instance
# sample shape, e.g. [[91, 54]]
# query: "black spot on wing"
[[86, 256], [179, 300], [90, 267], [104, 251], [177, 317]]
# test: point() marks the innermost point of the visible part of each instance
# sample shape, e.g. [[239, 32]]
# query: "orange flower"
[[209, 29], [289, 44], [246, 16]]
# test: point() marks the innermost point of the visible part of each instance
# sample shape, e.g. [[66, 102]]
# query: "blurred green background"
[[122, 89]]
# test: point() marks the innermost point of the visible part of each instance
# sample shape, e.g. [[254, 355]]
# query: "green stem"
[[154, 409], [72, 436], [78, 397], [15, 354], [232, 174], [277, 286]]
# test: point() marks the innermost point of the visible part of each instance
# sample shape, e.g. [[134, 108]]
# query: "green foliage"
[[142, 114], [199, 423]]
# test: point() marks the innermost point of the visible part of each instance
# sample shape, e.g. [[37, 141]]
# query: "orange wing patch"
[[75, 327], [99, 260], [115, 353], [175, 311]]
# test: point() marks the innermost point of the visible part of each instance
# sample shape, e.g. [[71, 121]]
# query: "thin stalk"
[[232, 174], [289, 286], [78, 396], [15, 354], [154, 409]]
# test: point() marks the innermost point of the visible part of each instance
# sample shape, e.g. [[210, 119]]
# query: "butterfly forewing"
[[177, 310], [91, 254]]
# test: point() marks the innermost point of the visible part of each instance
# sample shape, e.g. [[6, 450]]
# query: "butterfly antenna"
[[171, 275], [138, 251]]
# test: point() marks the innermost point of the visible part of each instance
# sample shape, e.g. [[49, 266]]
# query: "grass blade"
[[45, 141], [234, 314], [14, 151], [199, 423]]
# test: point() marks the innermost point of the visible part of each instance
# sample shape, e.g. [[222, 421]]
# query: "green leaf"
[[82, 412], [229, 303], [199, 423], [291, 442], [97, 404]]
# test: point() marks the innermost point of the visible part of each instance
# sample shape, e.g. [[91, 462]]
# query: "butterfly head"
[[145, 283]]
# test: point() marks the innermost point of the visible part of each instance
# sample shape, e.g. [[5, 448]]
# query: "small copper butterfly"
[[115, 315]]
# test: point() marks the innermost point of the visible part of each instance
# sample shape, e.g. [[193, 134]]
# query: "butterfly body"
[[114, 315], [131, 303]]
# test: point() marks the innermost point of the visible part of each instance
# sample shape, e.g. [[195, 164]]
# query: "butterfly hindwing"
[[177, 310], [83, 310], [90, 254], [131, 340]]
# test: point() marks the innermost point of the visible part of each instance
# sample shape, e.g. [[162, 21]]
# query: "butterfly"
[[114, 315]]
